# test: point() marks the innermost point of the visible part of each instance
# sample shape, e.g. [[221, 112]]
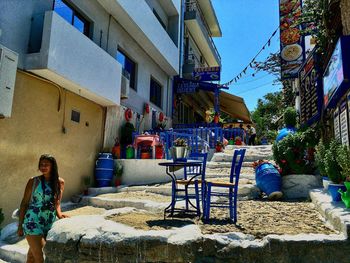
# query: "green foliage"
[[180, 142], [290, 117], [333, 169], [343, 158], [268, 109], [126, 133], [295, 153], [320, 154], [2, 217]]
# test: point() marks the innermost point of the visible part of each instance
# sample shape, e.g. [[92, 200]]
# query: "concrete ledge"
[[334, 212], [13, 253], [144, 171]]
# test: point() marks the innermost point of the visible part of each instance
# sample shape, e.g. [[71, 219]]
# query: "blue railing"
[[198, 139]]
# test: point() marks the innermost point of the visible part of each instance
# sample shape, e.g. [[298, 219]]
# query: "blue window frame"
[[129, 66], [72, 16]]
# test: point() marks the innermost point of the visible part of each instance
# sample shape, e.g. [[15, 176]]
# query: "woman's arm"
[[24, 205], [58, 201]]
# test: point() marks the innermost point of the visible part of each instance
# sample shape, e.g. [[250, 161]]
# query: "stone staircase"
[[220, 167]]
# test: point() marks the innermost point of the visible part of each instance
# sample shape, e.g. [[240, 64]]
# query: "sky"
[[246, 26]]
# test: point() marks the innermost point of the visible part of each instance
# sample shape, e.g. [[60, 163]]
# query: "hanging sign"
[[336, 124], [182, 86], [207, 74], [344, 123], [291, 41]]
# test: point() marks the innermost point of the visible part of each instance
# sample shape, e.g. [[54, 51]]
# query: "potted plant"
[[320, 160], [129, 151], [268, 179], [238, 140], [145, 152], [290, 120], [116, 149], [219, 146], [180, 150], [231, 141], [334, 170], [118, 172], [343, 157]]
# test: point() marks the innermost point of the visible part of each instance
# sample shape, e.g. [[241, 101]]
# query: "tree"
[[266, 115]]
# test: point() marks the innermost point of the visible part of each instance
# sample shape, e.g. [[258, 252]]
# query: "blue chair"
[[191, 182], [211, 189]]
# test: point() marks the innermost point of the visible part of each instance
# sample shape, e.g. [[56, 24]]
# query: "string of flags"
[[252, 62]]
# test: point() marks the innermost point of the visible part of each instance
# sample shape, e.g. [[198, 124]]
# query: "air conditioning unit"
[[125, 88], [8, 70]]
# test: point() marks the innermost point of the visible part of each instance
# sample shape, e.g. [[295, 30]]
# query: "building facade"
[[76, 66], [198, 50]]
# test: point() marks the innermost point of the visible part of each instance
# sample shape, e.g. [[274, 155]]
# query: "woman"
[[40, 205]]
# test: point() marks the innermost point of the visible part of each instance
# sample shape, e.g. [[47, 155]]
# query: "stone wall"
[[345, 15]]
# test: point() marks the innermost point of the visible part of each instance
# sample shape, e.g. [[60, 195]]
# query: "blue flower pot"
[[269, 180], [333, 191], [284, 132]]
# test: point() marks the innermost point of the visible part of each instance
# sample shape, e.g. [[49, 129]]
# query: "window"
[[156, 93], [129, 66], [72, 16]]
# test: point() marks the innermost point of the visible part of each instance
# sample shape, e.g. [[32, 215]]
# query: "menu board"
[[344, 123], [310, 99], [291, 41], [336, 124], [348, 99]]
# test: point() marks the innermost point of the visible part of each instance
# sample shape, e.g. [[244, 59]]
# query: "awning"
[[233, 106]]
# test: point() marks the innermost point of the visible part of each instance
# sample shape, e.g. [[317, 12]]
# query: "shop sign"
[[310, 92], [337, 73], [183, 86], [344, 123], [207, 74], [291, 40], [334, 74], [336, 124]]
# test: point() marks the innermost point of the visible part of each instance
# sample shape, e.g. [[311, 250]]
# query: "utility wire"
[[254, 88]]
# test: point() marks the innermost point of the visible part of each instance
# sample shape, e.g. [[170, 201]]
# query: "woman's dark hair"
[[54, 181]]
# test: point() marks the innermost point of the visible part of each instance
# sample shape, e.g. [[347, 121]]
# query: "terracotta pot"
[[218, 149], [145, 155], [159, 152]]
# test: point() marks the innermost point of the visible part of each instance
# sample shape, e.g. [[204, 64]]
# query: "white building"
[[80, 65]]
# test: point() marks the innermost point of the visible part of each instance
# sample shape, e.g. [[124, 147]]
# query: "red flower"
[[298, 161], [283, 161]]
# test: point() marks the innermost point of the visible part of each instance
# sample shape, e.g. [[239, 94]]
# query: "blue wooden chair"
[[211, 189], [193, 182]]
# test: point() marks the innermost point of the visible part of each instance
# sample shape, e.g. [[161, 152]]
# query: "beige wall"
[[345, 13], [36, 128]]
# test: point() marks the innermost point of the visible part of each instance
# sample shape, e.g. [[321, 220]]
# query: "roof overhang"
[[210, 17]]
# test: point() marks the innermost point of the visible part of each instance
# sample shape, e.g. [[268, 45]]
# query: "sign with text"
[[207, 74], [291, 41], [344, 123], [183, 86], [310, 92], [336, 124]]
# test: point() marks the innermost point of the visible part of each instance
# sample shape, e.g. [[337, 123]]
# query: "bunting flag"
[[252, 62]]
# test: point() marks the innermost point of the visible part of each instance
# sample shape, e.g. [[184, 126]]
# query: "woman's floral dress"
[[41, 212]]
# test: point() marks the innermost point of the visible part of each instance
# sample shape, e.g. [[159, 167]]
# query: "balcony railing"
[[192, 5], [193, 59]]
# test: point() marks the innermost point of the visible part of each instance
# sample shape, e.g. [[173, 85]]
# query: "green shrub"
[[343, 159], [126, 133], [320, 154], [295, 153], [290, 117], [332, 167]]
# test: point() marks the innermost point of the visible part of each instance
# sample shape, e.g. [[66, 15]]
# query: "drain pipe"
[[182, 29]]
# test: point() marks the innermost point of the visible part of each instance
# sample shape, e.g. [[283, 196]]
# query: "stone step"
[[215, 165], [227, 157]]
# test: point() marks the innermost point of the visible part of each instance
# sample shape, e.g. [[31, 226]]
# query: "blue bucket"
[[268, 180], [104, 169], [285, 132]]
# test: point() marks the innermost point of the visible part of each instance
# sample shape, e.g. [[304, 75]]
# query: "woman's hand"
[[61, 216], [20, 230]]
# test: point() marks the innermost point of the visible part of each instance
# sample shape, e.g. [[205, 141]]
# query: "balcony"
[[62, 54], [191, 61], [201, 33], [139, 21]]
